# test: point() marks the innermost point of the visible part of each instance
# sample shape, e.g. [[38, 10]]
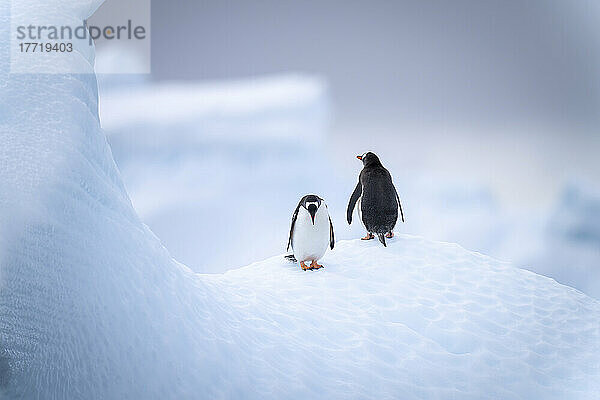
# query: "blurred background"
[[487, 114]]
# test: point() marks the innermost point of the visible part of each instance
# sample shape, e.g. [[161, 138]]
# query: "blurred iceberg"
[[224, 160], [577, 216], [571, 239]]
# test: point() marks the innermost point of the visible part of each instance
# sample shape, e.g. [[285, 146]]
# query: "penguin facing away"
[[311, 232], [379, 201]]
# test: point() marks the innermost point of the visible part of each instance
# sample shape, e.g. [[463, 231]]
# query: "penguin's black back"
[[379, 205]]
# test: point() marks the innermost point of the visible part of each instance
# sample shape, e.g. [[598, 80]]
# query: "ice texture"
[[93, 306]]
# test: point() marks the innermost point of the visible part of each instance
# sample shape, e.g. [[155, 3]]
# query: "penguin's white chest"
[[310, 240]]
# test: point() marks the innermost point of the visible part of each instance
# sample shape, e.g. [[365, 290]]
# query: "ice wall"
[[67, 228]]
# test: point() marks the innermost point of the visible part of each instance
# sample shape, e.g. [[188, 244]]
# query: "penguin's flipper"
[[353, 199], [290, 258], [331, 236], [293, 223], [399, 204], [381, 237]]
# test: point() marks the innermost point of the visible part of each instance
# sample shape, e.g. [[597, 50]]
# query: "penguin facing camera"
[[311, 232], [377, 198]]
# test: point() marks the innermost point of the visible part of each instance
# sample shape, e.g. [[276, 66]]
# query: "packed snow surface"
[[419, 319], [93, 306]]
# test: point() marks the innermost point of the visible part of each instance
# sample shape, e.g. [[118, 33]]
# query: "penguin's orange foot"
[[368, 237], [303, 266], [389, 235], [314, 265]]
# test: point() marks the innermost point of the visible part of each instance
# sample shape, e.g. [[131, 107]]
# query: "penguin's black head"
[[311, 203], [369, 159]]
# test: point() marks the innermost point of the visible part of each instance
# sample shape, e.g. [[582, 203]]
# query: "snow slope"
[[419, 319], [93, 306]]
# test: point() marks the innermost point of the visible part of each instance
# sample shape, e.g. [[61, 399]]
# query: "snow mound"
[[418, 319]]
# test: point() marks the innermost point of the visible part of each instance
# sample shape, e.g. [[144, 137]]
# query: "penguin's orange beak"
[[359, 157]]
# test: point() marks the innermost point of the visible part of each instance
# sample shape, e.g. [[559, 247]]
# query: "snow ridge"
[[420, 319]]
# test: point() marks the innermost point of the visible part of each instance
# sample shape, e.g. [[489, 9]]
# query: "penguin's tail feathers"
[[381, 237], [290, 258]]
